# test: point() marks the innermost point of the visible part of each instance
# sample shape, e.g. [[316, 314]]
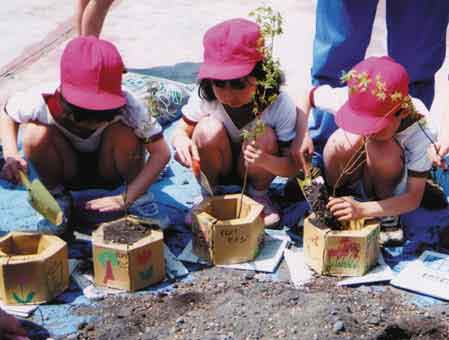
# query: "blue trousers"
[[416, 39]]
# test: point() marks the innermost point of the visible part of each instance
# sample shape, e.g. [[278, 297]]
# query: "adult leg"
[[214, 147], [121, 155], [342, 34], [51, 154], [417, 40], [79, 11], [94, 16]]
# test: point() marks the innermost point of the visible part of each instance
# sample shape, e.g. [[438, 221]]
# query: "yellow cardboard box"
[[131, 267], [341, 253], [222, 238], [34, 268]]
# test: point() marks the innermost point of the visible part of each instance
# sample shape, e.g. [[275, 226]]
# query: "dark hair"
[[80, 114], [205, 85]]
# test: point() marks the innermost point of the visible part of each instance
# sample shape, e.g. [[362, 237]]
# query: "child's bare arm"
[[397, 205], [13, 160], [302, 146], [182, 143], [346, 208], [159, 157], [8, 130]]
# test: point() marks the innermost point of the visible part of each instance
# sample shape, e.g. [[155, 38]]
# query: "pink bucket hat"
[[378, 87], [231, 50], [91, 74]]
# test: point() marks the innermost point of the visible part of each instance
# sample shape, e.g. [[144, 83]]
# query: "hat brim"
[[92, 100], [225, 72], [360, 123]]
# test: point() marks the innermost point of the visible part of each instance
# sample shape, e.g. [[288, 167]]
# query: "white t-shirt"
[[413, 139], [280, 116], [30, 106]]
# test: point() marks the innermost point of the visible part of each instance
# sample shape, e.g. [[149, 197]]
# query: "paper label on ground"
[[300, 272], [381, 273], [268, 259], [429, 275]]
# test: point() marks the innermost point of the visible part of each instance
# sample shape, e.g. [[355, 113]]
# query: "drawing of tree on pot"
[[108, 259], [22, 297], [270, 23]]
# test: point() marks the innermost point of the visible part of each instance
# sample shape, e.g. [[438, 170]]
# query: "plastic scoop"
[[41, 200]]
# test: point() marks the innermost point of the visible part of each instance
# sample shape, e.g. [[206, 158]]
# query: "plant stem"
[[245, 180]]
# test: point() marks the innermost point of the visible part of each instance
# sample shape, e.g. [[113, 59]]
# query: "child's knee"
[[36, 135], [342, 143], [121, 136], [209, 131], [268, 141]]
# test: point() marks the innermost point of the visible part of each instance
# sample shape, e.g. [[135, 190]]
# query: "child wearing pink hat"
[[86, 132], [214, 119], [380, 151]]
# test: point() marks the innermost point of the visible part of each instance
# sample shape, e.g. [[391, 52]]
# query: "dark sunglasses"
[[235, 84]]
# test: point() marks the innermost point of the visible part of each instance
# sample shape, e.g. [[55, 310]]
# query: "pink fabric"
[[364, 113], [231, 50], [91, 74]]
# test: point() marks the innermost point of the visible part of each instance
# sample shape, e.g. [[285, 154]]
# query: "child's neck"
[[242, 115]]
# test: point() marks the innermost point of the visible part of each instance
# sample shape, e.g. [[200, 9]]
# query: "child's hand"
[[106, 204], [437, 153], [301, 151], [345, 208], [12, 166], [10, 327], [252, 154], [183, 151]]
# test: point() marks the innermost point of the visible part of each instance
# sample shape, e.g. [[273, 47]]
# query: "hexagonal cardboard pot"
[[222, 238], [128, 253], [34, 268], [351, 252]]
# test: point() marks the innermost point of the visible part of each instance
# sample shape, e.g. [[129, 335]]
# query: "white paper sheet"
[[429, 275], [267, 260], [300, 272]]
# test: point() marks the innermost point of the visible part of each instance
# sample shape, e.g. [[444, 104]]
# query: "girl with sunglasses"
[[213, 121]]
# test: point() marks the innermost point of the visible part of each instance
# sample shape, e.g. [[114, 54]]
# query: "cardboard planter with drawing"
[[350, 252], [33, 268], [128, 253], [221, 237]]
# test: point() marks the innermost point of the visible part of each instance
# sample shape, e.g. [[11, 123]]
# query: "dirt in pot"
[[317, 195], [127, 232]]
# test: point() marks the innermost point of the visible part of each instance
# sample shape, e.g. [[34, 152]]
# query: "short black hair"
[[205, 85], [80, 114]]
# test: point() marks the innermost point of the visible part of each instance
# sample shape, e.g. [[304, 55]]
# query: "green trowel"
[[41, 200]]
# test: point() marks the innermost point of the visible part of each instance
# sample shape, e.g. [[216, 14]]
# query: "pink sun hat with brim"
[[377, 89], [231, 50], [91, 74]]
